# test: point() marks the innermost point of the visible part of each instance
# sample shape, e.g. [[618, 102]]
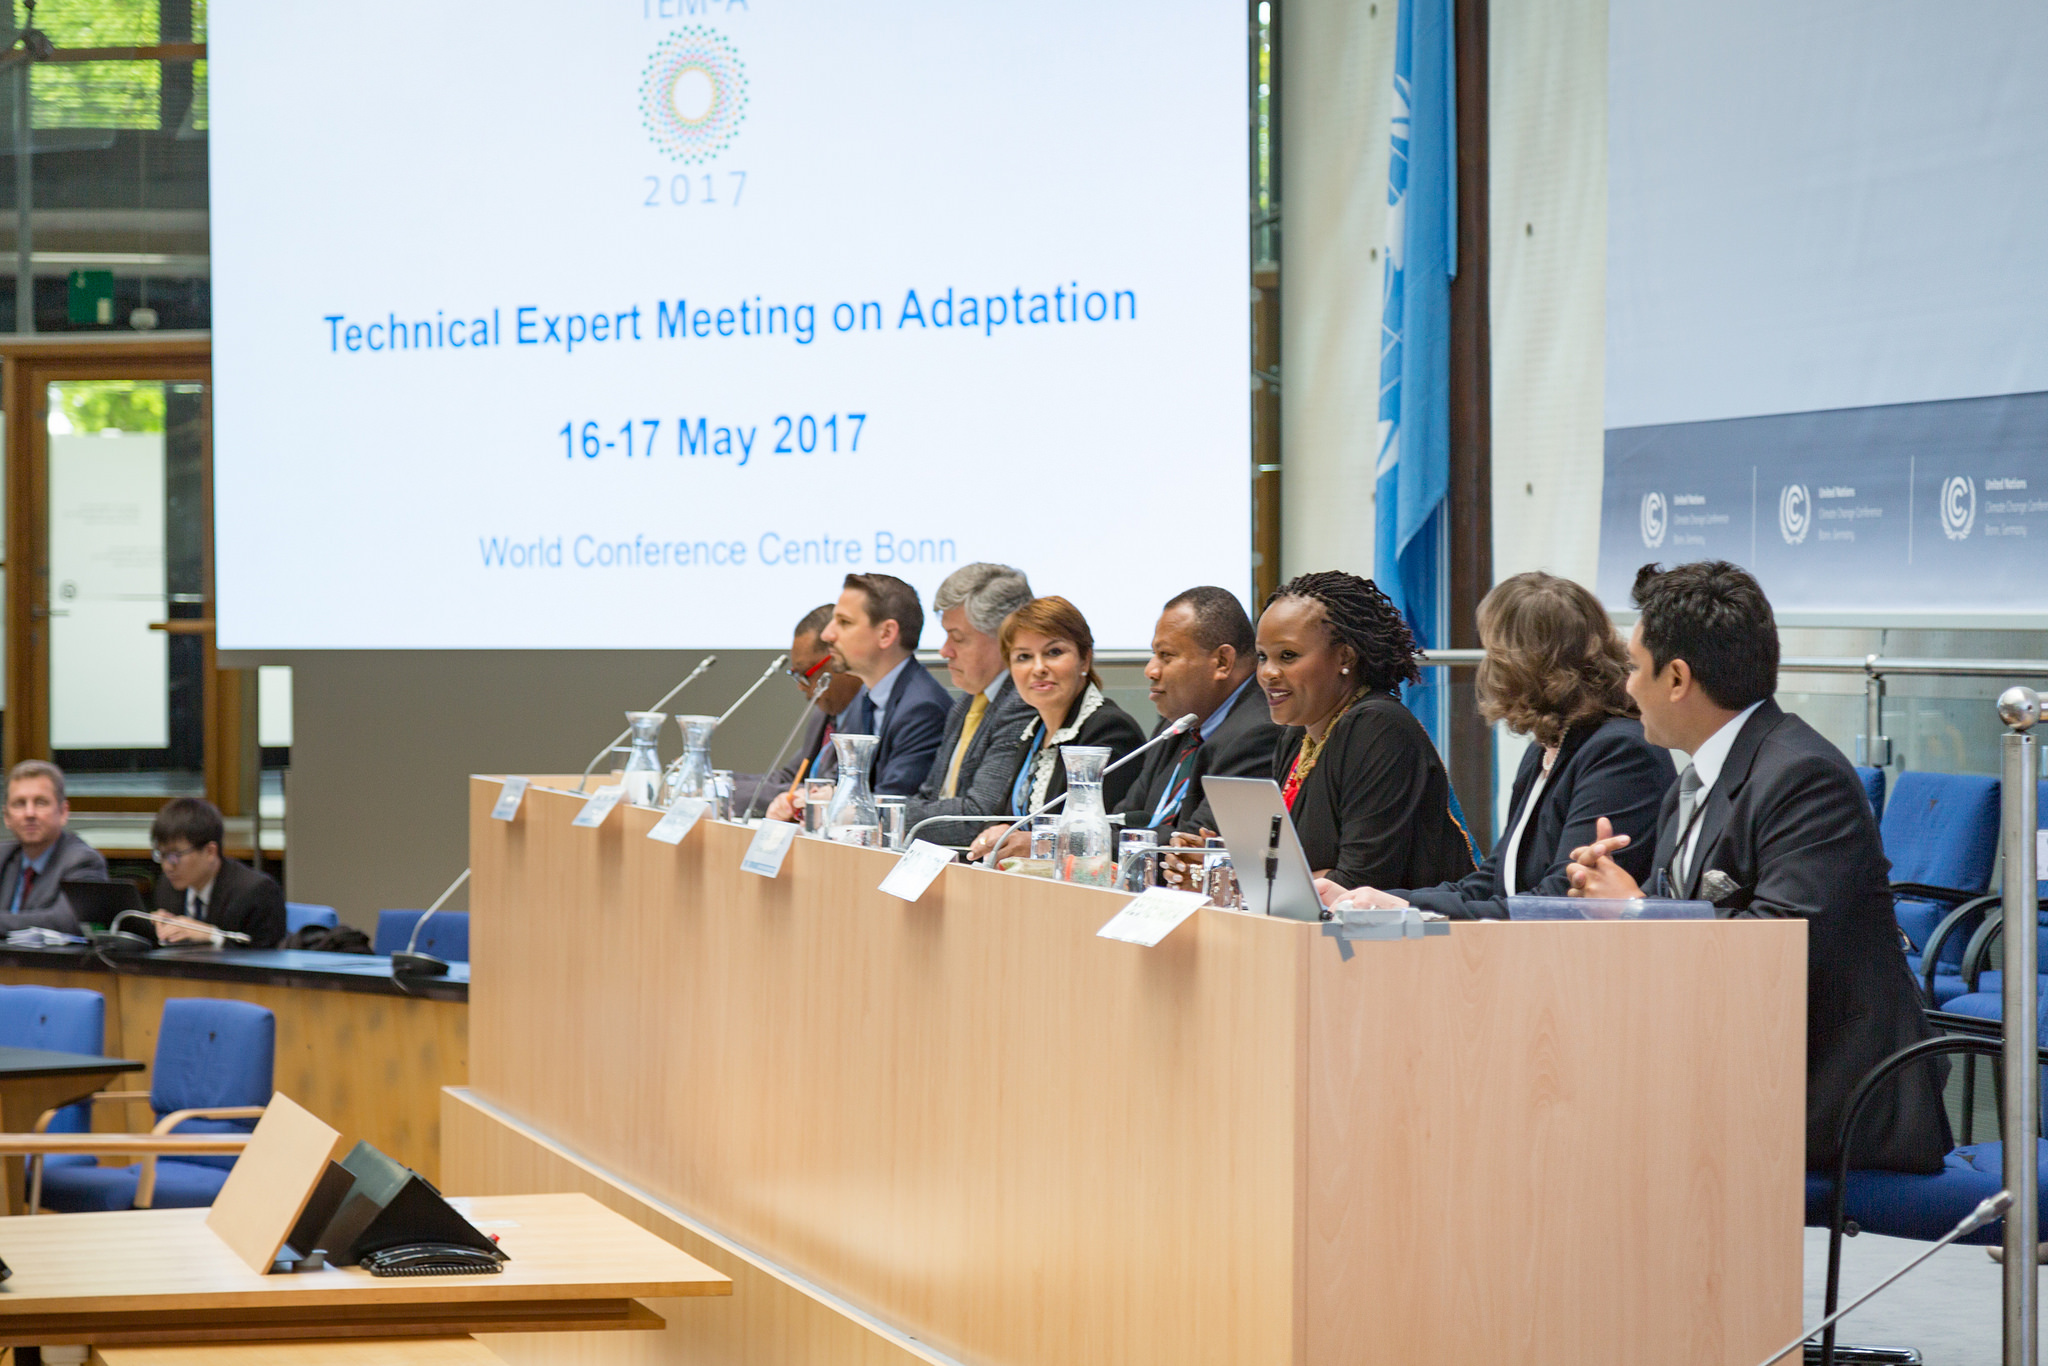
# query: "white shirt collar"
[[995, 685], [202, 895], [1713, 751]]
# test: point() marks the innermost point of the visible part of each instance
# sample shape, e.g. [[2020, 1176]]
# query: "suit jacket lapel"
[[1721, 797]]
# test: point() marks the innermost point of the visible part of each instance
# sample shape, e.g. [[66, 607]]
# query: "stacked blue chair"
[[299, 914], [212, 1057], [1873, 788], [62, 1020], [1941, 835], [446, 936], [1981, 991]]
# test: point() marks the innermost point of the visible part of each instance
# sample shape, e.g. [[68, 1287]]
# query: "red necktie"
[[28, 883]]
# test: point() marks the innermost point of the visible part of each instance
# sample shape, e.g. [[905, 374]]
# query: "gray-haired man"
[[972, 603]]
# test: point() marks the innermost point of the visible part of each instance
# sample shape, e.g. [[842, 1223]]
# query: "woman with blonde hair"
[[1554, 671]]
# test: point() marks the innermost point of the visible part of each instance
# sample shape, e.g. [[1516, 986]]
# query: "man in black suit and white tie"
[[1770, 820]]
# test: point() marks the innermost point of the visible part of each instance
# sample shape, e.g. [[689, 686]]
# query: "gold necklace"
[[1312, 748]]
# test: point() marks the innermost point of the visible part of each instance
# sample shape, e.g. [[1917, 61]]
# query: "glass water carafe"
[[852, 817], [643, 762], [1085, 851], [690, 776]]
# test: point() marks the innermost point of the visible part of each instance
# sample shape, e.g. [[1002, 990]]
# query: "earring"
[[1343, 671]]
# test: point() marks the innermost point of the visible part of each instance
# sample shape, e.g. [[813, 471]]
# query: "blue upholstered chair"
[[1904, 1205], [1976, 990], [211, 1076], [1941, 834], [299, 914], [62, 1020], [446, 935], [1873, 788]]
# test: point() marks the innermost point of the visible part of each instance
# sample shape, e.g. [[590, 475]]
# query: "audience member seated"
[[203, 887], [1770, 819], [1367, 793], [1203, 656], [1051, 654], [873, 634], [972, 603], [33, 868], [1556, 672], [830, 693]]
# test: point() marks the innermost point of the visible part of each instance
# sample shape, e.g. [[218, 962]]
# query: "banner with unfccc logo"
[[1856, 513]]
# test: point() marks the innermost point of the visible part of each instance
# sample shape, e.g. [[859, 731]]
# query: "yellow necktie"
[[975, 711]]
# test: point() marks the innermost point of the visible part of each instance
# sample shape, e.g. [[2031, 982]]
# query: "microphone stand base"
[[1865, 1356], [405, 964]]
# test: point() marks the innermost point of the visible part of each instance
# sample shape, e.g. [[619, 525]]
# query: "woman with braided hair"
[[1365, 787]]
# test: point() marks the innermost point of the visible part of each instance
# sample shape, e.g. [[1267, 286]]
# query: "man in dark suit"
[[873, 634], [33, 868], [972, 603], [1770, 820], [205, 889], [1204, 652], [831, 694]]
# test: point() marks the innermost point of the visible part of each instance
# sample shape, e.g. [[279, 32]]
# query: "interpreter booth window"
[[127, 526]]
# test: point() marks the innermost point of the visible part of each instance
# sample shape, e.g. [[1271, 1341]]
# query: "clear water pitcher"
[[852, 816], [643, 763], [690, 776], [1085, 851]]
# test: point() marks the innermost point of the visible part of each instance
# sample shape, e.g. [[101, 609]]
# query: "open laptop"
[[1250, 815], [97, 903]]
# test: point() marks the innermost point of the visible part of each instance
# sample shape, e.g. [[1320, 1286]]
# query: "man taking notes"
[[44, 854], [972, 603], [203, 887], [830, 693], [1204, 653], [1770, 820], [873, 633]]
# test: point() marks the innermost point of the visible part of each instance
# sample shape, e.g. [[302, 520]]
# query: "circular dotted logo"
[[1654, 519], [1795, 513], [1958, 506], [693, 95]]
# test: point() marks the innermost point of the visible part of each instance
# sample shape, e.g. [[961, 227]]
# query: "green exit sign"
[[91, 296]]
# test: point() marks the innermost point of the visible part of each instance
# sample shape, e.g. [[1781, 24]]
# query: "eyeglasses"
[[807, 677], [170, 858]]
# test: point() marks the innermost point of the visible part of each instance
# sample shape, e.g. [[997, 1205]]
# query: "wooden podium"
[[967, 1129]]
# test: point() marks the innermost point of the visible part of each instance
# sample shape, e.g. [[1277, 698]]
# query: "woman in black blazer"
[[1365, 787], [1554, 671], [1051, 655]]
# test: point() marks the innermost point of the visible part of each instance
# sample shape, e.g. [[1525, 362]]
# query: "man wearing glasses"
[[205, 889], [831, 692]]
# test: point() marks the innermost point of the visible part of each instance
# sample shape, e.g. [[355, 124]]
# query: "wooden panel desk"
[[969, 1129], [366, 1053], [161, 1276]]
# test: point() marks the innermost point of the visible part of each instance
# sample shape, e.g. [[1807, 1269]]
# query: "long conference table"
[[968, 1129]]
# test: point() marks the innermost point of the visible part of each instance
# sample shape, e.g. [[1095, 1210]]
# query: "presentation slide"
[[1827, 303], [640, 324]]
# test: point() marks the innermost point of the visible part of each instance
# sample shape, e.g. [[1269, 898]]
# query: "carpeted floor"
[[1949, 1308]]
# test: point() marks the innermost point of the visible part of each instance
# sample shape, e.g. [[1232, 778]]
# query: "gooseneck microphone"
[[764, 787], [774, 667], [408, 962], [1180, 727], [620, 738]]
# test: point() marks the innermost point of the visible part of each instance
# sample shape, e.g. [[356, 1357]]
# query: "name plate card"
[[599, 806], [680, 820], [509, 797], [1147, 919], [920, 865], [769, 848]]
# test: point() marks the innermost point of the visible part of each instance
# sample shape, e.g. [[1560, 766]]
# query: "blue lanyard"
[[1176, 792], [1023, 782]]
